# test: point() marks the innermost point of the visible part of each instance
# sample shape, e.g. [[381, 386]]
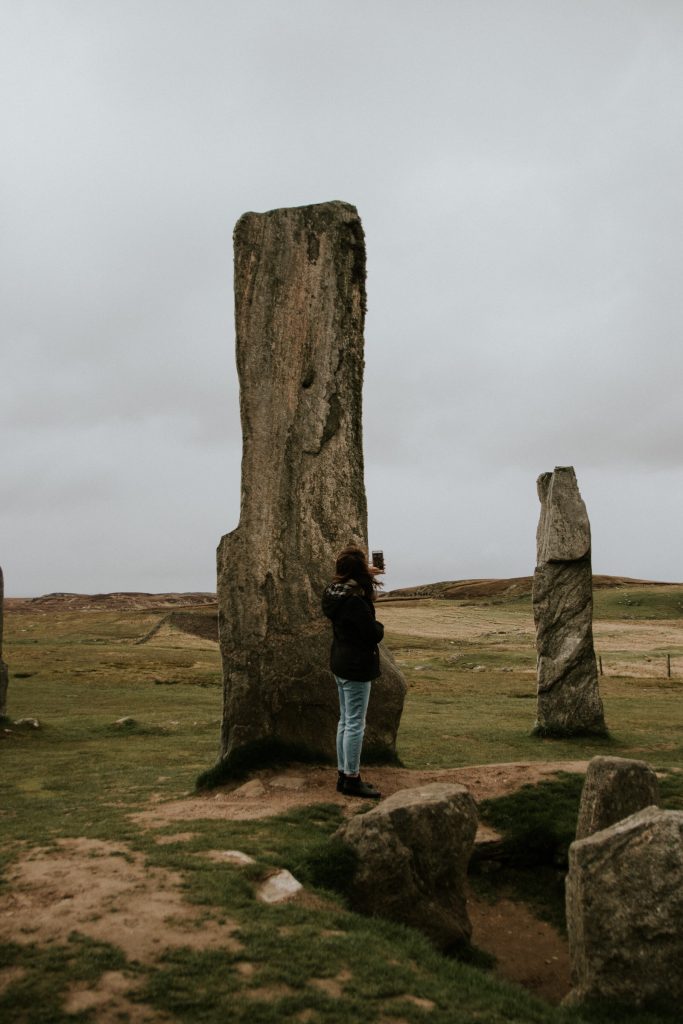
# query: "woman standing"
[[354, 659]]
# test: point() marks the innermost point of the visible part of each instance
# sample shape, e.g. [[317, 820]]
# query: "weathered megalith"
[[299, 315], [412, 852], [615, 788], [4, 673], [625, 912], [568, 696]]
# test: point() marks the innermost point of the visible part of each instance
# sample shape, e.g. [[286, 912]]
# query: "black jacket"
[[356, 632]]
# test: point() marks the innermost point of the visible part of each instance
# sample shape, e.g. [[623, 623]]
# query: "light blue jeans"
[[353, 705]]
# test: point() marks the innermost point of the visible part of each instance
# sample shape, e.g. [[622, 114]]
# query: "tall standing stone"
[[568, 696], [4, 674], [299, 315]]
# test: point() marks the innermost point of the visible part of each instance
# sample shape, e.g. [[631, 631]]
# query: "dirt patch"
[[105, 891], [333, 987], [269, 993], [177, 837], [246, 969], [168, 633], [422, 1004], [270, 792], [110, 1003], [528, 951], [8, 975]]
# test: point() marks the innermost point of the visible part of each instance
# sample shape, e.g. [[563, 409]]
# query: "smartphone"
[[378, 560]]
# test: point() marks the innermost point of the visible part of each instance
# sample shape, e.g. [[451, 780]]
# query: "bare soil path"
[[270, 792], [106, 891], [528, 951]]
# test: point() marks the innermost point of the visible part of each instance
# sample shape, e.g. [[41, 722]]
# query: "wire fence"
[[658, 666]]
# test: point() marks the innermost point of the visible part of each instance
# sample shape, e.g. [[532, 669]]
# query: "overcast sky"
[[518, 167]]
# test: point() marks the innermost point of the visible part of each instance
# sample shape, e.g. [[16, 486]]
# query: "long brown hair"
[[352, 564]]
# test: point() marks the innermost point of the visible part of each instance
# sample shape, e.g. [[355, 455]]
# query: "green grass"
[[455, 718], [627, 602], [538, 824], [48, 971], [80, 775], [472, 700]]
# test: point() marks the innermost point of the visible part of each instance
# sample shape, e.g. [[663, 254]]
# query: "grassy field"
[[70, 788], [471, 673]]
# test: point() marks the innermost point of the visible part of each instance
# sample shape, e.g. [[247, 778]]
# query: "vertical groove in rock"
[[299, 317], [568, 695]]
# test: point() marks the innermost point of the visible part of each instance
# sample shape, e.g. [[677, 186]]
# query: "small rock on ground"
[[279, 887]]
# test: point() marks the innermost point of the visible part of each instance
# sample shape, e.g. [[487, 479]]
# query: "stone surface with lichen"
[[299, 315], [569, 700]]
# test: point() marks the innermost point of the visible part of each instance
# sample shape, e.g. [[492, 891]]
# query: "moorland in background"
[[93, 806]]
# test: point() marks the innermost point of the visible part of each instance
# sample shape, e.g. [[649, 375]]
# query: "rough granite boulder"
[[4, 673], [412, 855], [299, 315], [615, 788], [625, 912], [569, 701]]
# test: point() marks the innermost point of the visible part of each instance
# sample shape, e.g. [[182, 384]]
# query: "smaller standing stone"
[[4, 673], [569, 701], [615, 788], [625, 912], [413, 850]]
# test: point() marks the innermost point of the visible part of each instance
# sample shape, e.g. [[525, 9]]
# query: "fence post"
[[600, 664], [668, 666]]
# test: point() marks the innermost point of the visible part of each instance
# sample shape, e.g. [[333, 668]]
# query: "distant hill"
[[502, 589], [454, 590], [616, 597], [125, 600]]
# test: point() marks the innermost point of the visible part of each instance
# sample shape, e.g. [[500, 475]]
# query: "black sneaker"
[[354, 786], [340, 781]]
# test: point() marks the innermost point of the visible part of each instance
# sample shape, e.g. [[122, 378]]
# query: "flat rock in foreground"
[[625, 912], [413, 850]]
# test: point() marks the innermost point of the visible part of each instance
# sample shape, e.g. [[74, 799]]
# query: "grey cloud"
[[517, 169]]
